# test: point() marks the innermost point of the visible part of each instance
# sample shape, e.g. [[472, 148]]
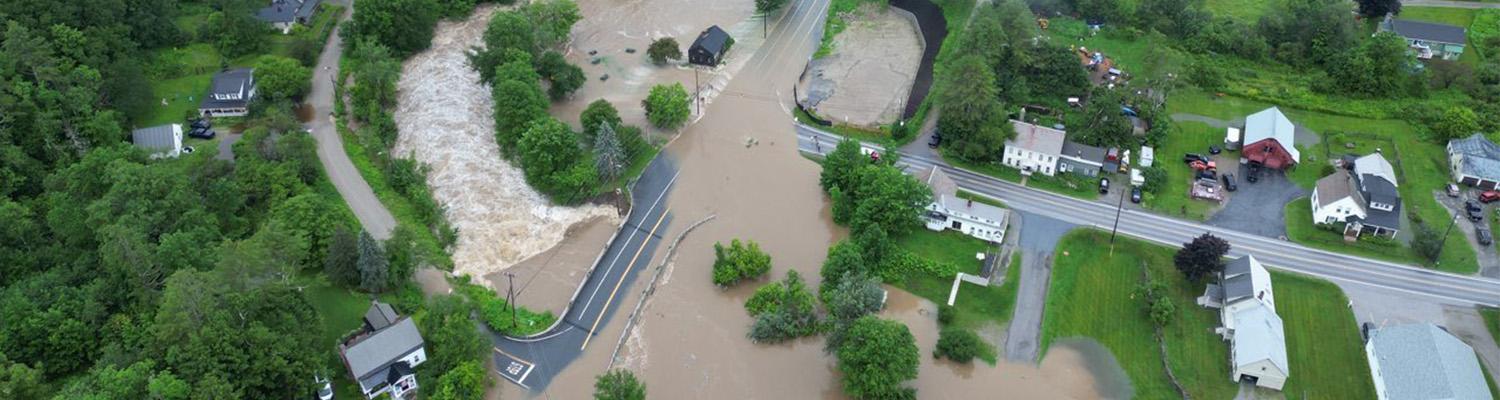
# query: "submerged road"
[[533, 362], [1344, 269]]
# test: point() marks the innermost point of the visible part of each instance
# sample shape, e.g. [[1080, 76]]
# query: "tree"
[[451, 336], [666, 48], [667, 106], [619, 384], [465, 382], [1158, 304], [403, 25], [1101, 123], [401, 250], [564, 77], [598, 113], [1456, 122], [887, 197], [783, 310], [845, 258], [1426, 242], [281, 78], [739, 261], [553, 161], [517, 104], [1381, 66], [1054, 69], [19, 381], [959, 345], [966, 99], [840, 166], [234, 31], [609, 156], [1376, 9], [1156, 179], [507, 30], [1307, 32], [553, 20], [342, 262], [1204, 256], [374, 267], [854, 296], [376, 72], [876, 357]]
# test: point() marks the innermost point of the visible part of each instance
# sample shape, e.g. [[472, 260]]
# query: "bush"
[[739, 261], [877, 357], [959, 345], [667, 106], [946, 314], [782, 310], [497, 314], [1159, 307], [664, 49], [619, 384]]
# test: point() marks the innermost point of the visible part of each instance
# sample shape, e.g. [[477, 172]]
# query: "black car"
[[1254, 174], [201, 133], [1135, 195], [1483, 236], [1188, 158], [1214, 150], [1229, 182], [1207, 174], [1103, 185], [202, 123], [935, 141], [1475, 212]]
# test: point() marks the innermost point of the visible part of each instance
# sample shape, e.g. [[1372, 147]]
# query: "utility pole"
[[1451, 222], [510, 297], [697, 92], [1119, 208]]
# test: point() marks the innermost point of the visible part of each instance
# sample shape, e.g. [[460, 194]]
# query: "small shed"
[[1148, 156], [709, 48], [161, 141]]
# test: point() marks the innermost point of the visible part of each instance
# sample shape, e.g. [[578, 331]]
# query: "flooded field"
[[866, 80], [610, 27], [444, 116]]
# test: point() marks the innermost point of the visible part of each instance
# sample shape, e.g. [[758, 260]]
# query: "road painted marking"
[[517, 369], [620, 281], [633, 232]]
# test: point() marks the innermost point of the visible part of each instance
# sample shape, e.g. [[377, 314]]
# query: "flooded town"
[[769, 199]]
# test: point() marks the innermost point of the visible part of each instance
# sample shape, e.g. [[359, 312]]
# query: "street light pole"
[[1119, 208]]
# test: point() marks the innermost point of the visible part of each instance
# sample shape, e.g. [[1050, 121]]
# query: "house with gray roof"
[[1247, 310], [1475, 161], [1083, 159], [948, 211], [1429, 40], [382, 356], [1363, 196], [230, 94], [284, 14], [161, 140], [1423, 362], [1034, 149]]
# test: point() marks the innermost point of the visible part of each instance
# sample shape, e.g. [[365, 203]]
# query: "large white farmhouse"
[[1034, 149], [1257, 341], [947, 211]]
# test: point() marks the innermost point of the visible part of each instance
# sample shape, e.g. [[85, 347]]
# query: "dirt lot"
[[866, 80]]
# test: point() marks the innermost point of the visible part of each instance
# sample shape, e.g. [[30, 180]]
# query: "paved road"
[[533, 362], [1448, 3], [350, 184], [1381, 275]]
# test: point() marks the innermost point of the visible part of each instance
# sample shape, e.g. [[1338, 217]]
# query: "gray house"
[[1081, 159], [284, 14], [1428, 40], [230, 94], [381, 357], [1423, 361], [1475, 161], [161, 140], [709, 48]]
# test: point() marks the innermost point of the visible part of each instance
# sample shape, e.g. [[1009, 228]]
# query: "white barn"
[[947, 211]]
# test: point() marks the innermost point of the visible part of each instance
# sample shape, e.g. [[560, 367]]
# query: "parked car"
[[1254, 174], [1188, 158], [202, 123], [325, 389], [1135, 195], [1483, 236], [1476, 213], [201, 133], [1208, 174], [1452, 190], [935, 141], [1229, 182], [1103, 185], [1489, 196], [1214, 150]]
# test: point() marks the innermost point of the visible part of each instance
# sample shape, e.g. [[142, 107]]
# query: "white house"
[[947, 211], [1035, 149], [1423, 361], [161, 140], [382, 356], [1257, 341], [230, 94], [1365, 201]]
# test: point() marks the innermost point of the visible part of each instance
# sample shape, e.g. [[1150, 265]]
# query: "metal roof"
[[1258, 336], [376, 352], [1083, 152], [1428, 31], [939, 182], [287, 10], [1422, 361], [1035, 138], [161, 137], [1481, 157], [1272, 124]]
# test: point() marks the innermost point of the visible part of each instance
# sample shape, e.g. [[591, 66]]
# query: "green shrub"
[[739, 261], [782, 310], [497, 313], [945, 314], [959, 345]]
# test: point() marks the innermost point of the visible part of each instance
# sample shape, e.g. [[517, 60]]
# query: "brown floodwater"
[[546, 281]]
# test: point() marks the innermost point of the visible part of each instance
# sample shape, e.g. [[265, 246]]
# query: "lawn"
[[1491, 321], [1324, 350], [342, 312], [981, 199], [1244, 10], [1301, 229], [1064, 183], [1460, 17], [1143, 56], [975, 306], [1174, 199], [182, 95], [1421, 164], [1092, 295]]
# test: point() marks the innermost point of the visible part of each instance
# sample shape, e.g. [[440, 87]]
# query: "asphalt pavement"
[[1379, 275], [532, 362]]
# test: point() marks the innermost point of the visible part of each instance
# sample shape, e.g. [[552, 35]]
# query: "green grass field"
[[1324, 350], [1065, 184], [1300, 229], [1244, 10], [975, 306], [1092, 295], [1145, 56], [342, 312], [1460, 17], [1173, 199]]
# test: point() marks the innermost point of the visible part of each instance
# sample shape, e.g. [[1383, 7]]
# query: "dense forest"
[[124, 276]]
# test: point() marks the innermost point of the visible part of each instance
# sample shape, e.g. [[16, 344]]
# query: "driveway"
[[1449, 4], [918, 146], [1259, 208], [1489, 259], [1039, 236]]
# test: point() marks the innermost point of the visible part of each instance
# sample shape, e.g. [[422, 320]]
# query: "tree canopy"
[[1204, 256], [667, 106], [876, 357]]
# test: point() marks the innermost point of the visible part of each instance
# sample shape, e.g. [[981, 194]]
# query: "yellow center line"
[[513, 357], [611, 298]]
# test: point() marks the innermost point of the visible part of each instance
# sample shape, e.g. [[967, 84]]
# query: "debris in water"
[[604, 77], [593, 52], [594, 61], [630, 50]]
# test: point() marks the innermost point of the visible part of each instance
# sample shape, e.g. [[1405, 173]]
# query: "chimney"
[[1260, 295], [1023, 114], [971, 202], [1377, 150]]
